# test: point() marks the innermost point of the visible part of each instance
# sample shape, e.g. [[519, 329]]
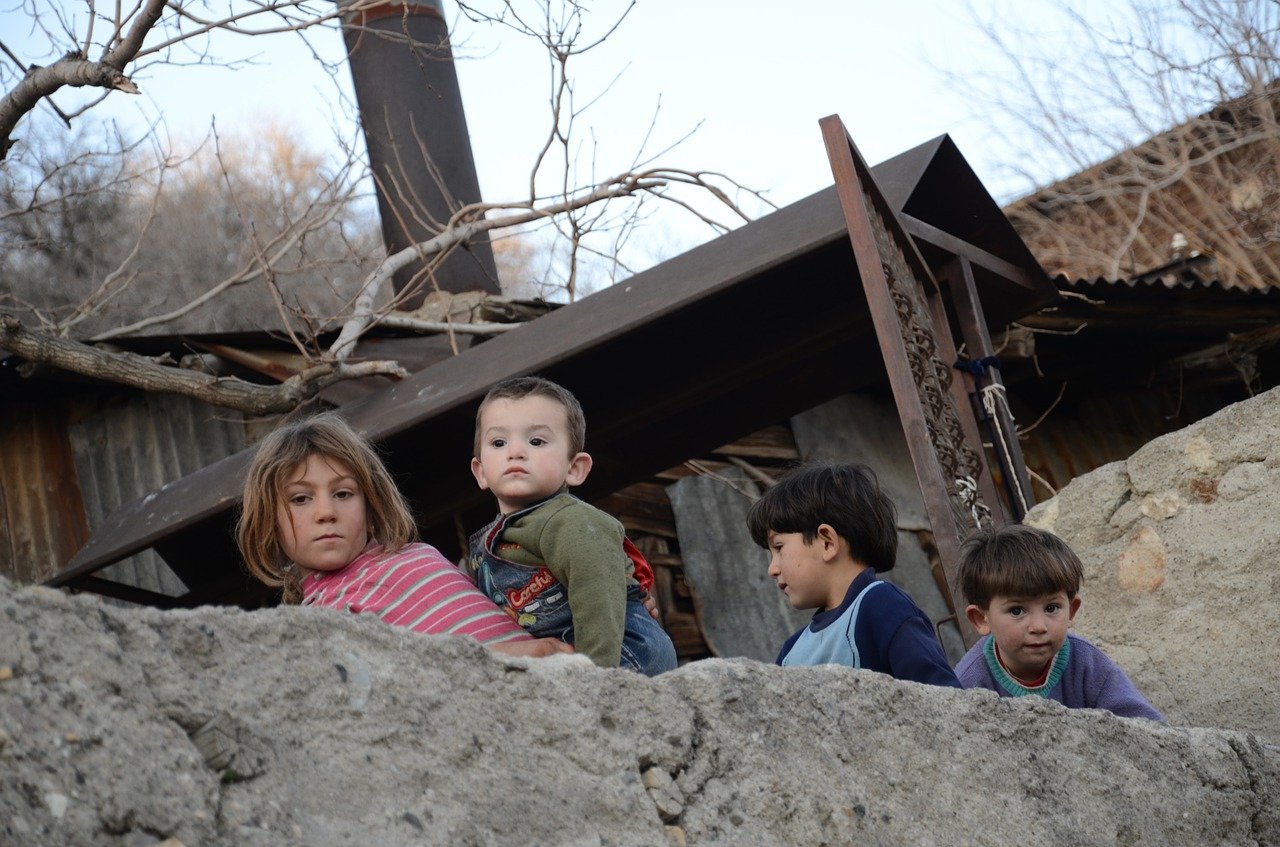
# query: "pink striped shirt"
[[415, 588]]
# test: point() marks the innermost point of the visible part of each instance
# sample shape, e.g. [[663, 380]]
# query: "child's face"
[[1028, 630], [524, 452], [802, 570], [322, 517]]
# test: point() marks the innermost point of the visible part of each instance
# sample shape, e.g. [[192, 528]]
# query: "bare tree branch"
[[139, 254], [71, 70], [465, 226], [418, 325], [149, 375], [1170, 121]]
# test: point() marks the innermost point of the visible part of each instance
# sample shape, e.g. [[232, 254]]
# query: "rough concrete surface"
[[302, 726], [1182, 586]]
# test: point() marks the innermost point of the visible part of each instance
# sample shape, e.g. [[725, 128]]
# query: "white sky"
[[756, 75]]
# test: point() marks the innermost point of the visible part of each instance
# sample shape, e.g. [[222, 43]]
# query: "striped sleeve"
[[419, 589]]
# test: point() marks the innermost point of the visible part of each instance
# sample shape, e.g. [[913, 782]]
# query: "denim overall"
[[536, 600]]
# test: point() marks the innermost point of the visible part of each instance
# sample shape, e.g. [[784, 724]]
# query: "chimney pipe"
[[407, 92]]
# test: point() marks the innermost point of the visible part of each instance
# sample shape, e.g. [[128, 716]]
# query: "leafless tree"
[[1164, 112], [106, 50]]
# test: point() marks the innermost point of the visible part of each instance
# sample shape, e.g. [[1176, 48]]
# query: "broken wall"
[[304, 726]]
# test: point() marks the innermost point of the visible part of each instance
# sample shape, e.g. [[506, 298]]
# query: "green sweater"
[[582, 547]]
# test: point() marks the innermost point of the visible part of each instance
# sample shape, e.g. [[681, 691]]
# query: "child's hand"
[[651, 606], [535, 649]]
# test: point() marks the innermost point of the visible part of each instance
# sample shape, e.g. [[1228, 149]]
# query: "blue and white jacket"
[[877, 627]]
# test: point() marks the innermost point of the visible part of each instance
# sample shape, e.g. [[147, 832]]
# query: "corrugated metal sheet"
[[42, 522], [1104, 430], [127, 447], [1191, 272]]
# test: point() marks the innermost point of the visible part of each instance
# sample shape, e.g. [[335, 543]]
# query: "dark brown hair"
[[848, 497], [520, 387], [1017, 561]]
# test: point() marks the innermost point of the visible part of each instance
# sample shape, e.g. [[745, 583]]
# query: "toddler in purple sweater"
[[1021, 584]]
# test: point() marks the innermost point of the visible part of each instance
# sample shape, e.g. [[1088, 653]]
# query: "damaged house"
[[702, 378]]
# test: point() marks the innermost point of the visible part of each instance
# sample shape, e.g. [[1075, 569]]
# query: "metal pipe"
[[416, 132]]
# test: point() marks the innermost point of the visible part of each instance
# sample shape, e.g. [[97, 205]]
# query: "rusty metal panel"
[[896, 280], [42, 522], [1105, 429], [128, 446], [743, 614]]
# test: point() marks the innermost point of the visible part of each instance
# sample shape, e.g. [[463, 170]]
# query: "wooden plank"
[[681, 471], [685, 635], [648, 492], [633, 524], [681, 585], [664, 593], [649, 503], [672, 596], [757, 451], [774, 442], [973, 323]]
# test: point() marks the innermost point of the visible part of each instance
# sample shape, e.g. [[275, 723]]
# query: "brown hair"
[[534, 386], [279, 455], [1017, 561]]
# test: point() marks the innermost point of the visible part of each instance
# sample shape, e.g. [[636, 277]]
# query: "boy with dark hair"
[[558, 566], [1021, 584], [828, 530]]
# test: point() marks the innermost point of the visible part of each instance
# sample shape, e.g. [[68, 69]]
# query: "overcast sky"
[[752, 77]]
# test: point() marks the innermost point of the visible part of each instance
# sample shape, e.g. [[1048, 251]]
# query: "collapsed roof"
[[740, 332]]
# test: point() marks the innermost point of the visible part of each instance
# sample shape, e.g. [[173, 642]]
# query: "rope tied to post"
[[994, 398], [967, 486]]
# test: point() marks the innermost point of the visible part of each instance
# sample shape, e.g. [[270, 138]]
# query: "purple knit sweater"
[[1081, 677]]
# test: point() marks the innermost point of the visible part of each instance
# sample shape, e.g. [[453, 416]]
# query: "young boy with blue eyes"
[[559, 567], [1021, 584], [828, 530]]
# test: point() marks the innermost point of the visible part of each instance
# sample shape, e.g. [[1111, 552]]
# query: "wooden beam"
[[130, 593], [1004, 434]]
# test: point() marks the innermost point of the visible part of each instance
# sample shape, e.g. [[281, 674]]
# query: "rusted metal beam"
[[962, 394], [854, 187], [959, 247]]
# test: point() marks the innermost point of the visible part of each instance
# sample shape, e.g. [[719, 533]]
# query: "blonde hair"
[[390, 522]]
